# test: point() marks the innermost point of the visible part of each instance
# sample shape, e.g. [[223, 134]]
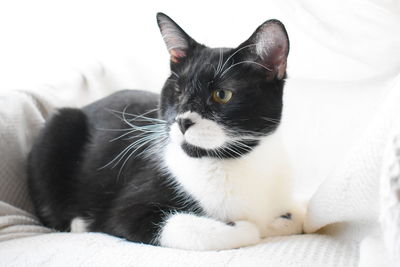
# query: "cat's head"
[[220, 102]]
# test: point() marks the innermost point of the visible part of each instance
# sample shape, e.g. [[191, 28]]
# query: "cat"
[[199, 167]]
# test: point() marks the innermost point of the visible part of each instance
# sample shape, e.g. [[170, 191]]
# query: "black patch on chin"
[[193, 151], [229, 152]]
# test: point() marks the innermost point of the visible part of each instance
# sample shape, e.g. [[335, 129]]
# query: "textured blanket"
[[345, 206]]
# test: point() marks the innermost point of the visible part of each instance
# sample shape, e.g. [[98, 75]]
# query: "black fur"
[[66, 179], [68, 168]]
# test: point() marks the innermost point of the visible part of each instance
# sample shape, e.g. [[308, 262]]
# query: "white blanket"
[[348, 199]]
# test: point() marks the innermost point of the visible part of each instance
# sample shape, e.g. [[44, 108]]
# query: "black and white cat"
[[200, 167]]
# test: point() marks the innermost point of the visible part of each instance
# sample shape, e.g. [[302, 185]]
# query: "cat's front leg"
[[289, 223], [189, 231]]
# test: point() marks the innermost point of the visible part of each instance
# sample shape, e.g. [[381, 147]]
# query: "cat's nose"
[[184, 124]]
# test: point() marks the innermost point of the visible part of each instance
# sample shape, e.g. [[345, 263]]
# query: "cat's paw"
[[289, 223], [246, 233], [188, 231]]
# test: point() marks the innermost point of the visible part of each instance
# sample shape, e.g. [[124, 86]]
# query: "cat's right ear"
[[177, 40], [269, 47]]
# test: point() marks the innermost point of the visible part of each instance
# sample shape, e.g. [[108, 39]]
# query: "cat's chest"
[[252, 187]]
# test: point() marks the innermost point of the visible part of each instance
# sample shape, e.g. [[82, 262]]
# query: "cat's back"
[[135, 102], [116, 122], [74, 148], [114, 157]]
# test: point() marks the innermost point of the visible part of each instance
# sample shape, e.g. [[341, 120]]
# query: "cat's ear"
[[269, 46], [177, 40]]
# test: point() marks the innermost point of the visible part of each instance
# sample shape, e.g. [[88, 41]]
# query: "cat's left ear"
[[177, 40], [269, 46]]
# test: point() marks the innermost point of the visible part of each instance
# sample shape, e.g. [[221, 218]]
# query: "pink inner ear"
[[176, 55], [272, 46], [278, 59]]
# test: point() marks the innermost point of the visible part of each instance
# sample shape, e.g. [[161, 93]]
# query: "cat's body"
[[188, 169], [223, 187]]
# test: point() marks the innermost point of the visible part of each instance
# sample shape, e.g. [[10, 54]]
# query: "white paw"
[[290, 223], [247, 233], [188, 231]]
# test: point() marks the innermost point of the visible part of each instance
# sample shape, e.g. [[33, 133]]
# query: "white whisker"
[[237, 51], [245, 61], [175, 74], [220, 60], [143, 135], [143, 143]]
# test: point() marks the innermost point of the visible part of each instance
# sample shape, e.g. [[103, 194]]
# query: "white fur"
[[203, 133], [188, 231], [78, 225], [281, 226], [253, 188]]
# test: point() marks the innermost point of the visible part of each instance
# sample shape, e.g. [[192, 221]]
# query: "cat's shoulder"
[[125, 98]]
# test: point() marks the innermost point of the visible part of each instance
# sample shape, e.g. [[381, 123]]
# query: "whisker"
[[144, 129], [215, 71], [141, 116], [131, 137], [148, 136], [218, 153], [271, 120], [175, 74], [136, 149], [119, 137], [241, 144], [232, 150], [245, 61], [237, 51], [114, 130], [150, 150], [115, 158], [144, 134], [220, 60], [130, 147]]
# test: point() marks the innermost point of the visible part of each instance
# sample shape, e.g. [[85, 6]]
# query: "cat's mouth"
[[206, 138], [226, 151], [202, 134]]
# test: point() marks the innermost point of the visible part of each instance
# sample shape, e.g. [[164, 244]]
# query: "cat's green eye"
[[222, 96]]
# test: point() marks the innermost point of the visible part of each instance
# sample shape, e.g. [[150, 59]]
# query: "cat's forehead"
[[218, 53], [207, 63]]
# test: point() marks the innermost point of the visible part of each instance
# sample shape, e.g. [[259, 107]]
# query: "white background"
[[330, 40]]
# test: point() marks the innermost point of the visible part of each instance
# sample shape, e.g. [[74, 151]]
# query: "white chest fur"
[[254, 187]]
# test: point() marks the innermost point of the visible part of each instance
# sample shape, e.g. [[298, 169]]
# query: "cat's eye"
[[222, 96]]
